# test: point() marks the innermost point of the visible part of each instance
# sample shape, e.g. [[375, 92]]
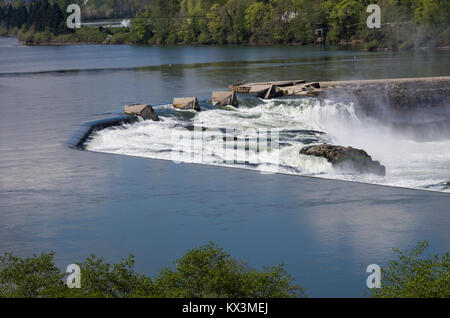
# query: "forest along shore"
[[233, 22]]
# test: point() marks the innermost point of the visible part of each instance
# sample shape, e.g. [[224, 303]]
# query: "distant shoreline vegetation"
[[406, 24]]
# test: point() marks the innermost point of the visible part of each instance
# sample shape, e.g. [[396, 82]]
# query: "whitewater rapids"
[[291, 124]]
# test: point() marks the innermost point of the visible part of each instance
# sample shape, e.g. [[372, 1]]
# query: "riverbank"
[[43, 39], [115, 36], [81, 36], [247, 23]]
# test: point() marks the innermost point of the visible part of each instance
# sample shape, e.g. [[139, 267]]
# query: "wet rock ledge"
[[346, 159]]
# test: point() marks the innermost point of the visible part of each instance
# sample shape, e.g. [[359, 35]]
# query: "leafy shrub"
[[413, 275], [206, 271], [119, 38]]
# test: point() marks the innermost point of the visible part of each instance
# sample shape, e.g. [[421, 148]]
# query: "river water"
[[326, 231]]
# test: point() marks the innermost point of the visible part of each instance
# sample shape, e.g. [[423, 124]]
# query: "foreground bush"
[[415, 275], [206, 271]]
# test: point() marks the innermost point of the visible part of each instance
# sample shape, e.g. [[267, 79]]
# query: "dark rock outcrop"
[[346, 158]]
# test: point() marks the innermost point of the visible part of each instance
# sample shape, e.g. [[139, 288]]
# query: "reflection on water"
[[75, 202]]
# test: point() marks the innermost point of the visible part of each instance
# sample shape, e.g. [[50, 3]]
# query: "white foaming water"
[[295, 123]]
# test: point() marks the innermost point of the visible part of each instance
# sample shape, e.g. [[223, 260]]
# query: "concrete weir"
[[79, 138], [388, 81], [403, 96], [399, 86]]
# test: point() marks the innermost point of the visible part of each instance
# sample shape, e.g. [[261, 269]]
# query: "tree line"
[[405, 23], [209, 271], [205, 271], [39, 15]]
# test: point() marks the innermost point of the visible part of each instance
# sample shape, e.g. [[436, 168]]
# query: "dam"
[[385, 117], [80, 202], [436, 88]]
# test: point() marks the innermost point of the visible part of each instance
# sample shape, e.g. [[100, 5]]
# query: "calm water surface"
[[77, 202]]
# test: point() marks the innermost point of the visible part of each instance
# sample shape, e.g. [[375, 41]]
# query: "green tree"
[[345, 20], [206, 271], [226, 23], [163, 15], [31, 277], [209, 271], [405, 23], [414, 275], [433, 18], [432, 12], [282, 13], [102, 279], [216, 24], [142, 27], [256, 20], [310, 15]]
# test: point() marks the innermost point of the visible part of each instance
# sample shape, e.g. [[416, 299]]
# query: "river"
[[77, 202]]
